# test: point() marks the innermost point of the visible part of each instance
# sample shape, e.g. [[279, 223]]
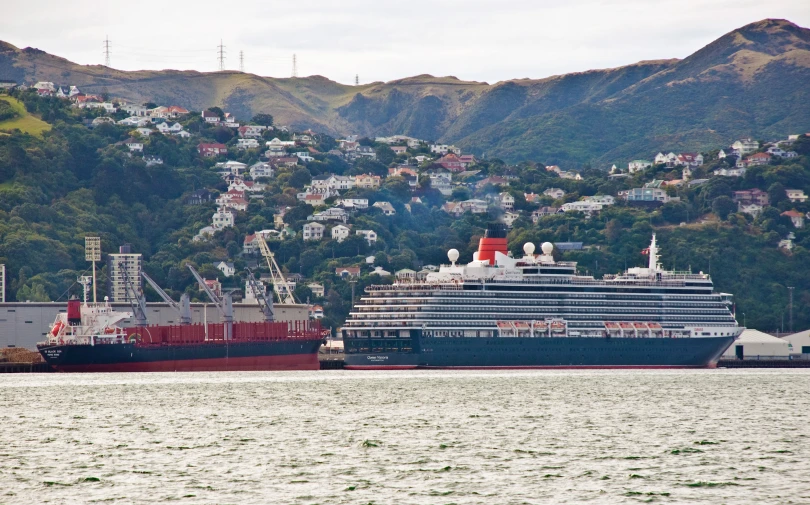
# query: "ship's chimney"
[[74, 312], [493, 240]]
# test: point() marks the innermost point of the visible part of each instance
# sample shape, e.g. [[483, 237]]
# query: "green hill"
[[749, 82], [13, 116]]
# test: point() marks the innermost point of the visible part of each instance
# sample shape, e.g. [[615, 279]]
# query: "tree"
[[300, 178], [723, 206], [461, 193], [223, 134], [776, 193], [385, 154], [674, 212], [217, 111], [262, 119]]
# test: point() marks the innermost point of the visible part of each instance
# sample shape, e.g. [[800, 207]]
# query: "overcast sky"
[[380, 40]]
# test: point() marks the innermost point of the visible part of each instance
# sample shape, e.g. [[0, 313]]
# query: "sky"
[[380, 40]]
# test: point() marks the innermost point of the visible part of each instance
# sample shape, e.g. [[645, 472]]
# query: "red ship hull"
[[242, 364]]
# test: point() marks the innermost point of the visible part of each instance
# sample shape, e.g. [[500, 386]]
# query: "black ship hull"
[[553, 352], [292, 354]]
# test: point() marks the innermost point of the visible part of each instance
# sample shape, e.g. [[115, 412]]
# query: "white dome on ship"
[[528, 248], [452, 255], [547, 248]]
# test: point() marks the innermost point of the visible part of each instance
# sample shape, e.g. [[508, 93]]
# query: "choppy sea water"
[[705, 436]]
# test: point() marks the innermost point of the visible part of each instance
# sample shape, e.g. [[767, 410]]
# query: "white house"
[[444, 149], [134, 145], [381, 272], [582, 206], [304, 156], [247, 143], [222, 218], [313, 231], [317, 289], [331, 214], [667, 159], [370, 235], [637, 165], [730, 172], [603, 199], [167, 128], [506, 201], [226, 268], [645, 195], [796, 195], [340, 232], [509, 218], [261, 169], [231, 167], [745, 146], [555, 193], [353, 203], [386, 208]]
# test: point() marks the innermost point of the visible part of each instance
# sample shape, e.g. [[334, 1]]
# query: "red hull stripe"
[[251, 363], [543, 367]]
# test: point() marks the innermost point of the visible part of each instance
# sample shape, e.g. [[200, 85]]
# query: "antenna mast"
[[356, 79], [241, 61], [295, 66], [106, 50], [92, 252], [221, 55]]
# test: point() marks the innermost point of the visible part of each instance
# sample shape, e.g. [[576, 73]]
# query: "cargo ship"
[[537, 312], [88, 338]]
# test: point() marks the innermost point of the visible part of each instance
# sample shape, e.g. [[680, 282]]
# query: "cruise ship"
[[533, 311]]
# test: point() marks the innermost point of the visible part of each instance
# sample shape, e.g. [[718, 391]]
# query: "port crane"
[[136, 299], [280, 286], [258, 290], [183, 309], [224, 303]]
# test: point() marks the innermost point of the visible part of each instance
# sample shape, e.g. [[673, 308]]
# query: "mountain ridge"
[[748, 82]]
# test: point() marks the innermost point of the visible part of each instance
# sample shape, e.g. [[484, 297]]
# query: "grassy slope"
[[25, 122]]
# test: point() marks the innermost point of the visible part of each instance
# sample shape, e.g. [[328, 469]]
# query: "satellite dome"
[[528, 248], [452, 255], [547, 247]]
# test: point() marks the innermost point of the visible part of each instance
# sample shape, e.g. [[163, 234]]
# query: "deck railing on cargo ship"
[[215, 333]]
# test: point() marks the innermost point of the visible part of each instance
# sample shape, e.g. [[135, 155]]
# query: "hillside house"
[[728, 152], [737, 171], [169, 129], [198, 197], [316, 200], [369, 235], [367, 181], [666, 159], [752, 209], [638, 165], [506, 201], [212, 150], [231, 167], [745, 146], [386, 208], [495, 180], [353, 203], [509, 218], [226, 268], [587, 208], [344, 272], [796, 195], [222, 218], [797, 218], [555, 193], [134, 145], [749, 196], [210, 117], [543, 212], [247, 144], [251, 131], [441, 182], [690, 159], [452, 163], [313, 231], [399, 150], [364, 152], [287, 161], [645, 194], [444, 149], [340, 233], [261, 169], [317, 289], [331, 214]]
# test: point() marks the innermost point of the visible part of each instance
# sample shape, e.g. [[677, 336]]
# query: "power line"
[[221, 56], [241, 61], [106, 50], [295, 66]]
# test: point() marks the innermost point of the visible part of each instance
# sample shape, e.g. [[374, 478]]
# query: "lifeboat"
[[57, 327]]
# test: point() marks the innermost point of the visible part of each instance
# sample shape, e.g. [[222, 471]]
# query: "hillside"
[[21, 119], [749, 82]]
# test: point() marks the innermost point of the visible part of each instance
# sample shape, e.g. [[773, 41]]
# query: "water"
[[707, 436]]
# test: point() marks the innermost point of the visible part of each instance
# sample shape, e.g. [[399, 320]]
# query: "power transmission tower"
[[356, 79], [295, 66], [106, 51], [221, 56], [790, 319], [241, 61]]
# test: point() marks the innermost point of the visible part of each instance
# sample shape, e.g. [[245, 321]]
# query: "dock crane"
[[280, 286], [136, 300], [258, 290], [183, 309], [224, 303]]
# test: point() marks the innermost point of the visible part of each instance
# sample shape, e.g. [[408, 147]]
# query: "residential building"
[[277, 148], [752, 209], [381, 272], [796, 217], [406, 274], [317, 289], [495, 180], [583, 206], [725, 153], [304, 156], [151, 160], [666, 159], [543, 212], [745, 146], [386, 208], [555, 193], [231, 167], [248, 143], [690, 159], [250, 245], [331, 214], [638, 165], [315, 312], [214, 285], [251, 131], [776, 151], [331, 184], [222, 218], [347, 271], [198, 197], [212, 150], [506, 201], [452, 163], [365, 152], [444, 149], [646, 195], [603, 199], [313, 231], [749, 196], [225, 267], [441, 181], [399, 150], [796, 195], [730, 172], [316, 200], [758, 159], [509, 218], [353, 203], [370, 236], [124, 270], [168, 129], [261, 169], [210, 117], [340, 232], [134, 145], [367, 181]]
